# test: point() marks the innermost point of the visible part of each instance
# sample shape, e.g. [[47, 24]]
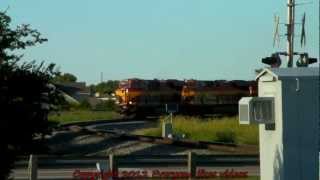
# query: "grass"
[[225, 129], [82, 115]]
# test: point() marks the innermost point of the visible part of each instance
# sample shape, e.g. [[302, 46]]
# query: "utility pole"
[[101, 77], [290, 31]]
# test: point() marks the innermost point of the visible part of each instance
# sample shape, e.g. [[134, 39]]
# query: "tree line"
[[107, 87]]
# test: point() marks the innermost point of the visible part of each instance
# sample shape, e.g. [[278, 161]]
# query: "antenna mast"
[[304, 60], [290, 31]]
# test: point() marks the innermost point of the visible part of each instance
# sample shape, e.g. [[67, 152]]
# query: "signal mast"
[[304, 60], [290, 31]]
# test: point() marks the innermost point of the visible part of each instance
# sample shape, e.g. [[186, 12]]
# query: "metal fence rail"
[[113, 163]]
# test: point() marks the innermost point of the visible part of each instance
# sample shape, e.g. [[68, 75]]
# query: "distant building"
[[77, 90]]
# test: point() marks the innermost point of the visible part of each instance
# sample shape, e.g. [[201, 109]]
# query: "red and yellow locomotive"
[[215, 97], [139, 97], [147, 97]]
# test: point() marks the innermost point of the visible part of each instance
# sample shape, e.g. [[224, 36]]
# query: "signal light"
[[273, 61], [312, 60], [268, 60], [304, 60]]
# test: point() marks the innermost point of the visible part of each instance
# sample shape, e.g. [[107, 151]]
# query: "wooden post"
[[33, 167], [192, 165], [113, 166]]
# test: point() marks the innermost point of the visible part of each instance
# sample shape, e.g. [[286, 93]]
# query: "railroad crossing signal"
[[274, 60]]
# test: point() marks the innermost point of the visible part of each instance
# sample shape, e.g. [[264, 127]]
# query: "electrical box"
[[287, 111], [256, 110]]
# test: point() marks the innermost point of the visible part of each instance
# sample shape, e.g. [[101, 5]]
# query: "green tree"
[[26, 96], [106, 106], [65, 78]]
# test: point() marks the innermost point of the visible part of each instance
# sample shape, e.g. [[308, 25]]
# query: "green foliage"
[[211, 129], [67, 106], [106, 106], [82, 115], [15, 39], [65, 78], [26, 96], [84, 104], [105, 87], [227, 136]]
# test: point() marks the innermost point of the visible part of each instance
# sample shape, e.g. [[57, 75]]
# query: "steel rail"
[[140, 160], [219, 146]]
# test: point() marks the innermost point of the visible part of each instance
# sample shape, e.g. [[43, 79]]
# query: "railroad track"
[[63, 167], [218, 146], [90, 127], [97, 122], [139, 160]]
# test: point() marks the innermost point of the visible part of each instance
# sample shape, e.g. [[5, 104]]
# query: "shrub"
[[26, 96], [84, 104], [106, 106], [227, 136]]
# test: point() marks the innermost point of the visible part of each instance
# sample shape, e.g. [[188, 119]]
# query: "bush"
[[26, 96], [227, 136], [67, 106], [106, 106], [25, 101], [84, 104]]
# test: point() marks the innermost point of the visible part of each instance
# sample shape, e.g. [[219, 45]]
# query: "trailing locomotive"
[[215, 97], [137, 97]]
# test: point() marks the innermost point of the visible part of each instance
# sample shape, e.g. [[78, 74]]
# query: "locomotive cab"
[[147, 97]]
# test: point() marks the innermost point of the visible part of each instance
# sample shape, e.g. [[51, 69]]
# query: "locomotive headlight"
[[130, 102]]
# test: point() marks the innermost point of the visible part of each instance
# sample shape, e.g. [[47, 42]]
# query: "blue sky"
[[183, 39]]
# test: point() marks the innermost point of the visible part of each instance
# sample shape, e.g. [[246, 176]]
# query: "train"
[[141, 98]]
